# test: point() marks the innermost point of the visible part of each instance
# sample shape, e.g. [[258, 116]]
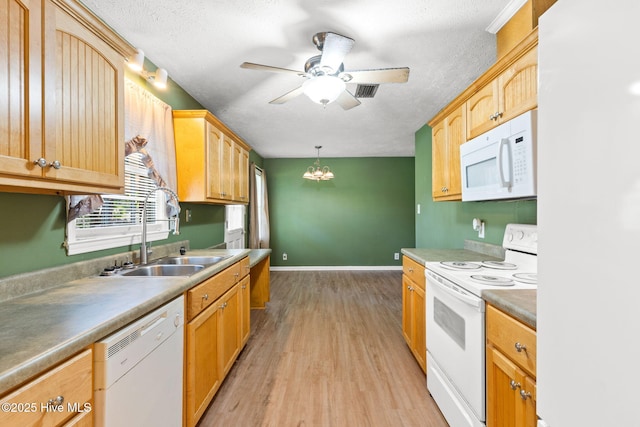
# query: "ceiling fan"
[[326, 78]]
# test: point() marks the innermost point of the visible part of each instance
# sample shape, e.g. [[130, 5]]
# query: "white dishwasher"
[[138, 371]]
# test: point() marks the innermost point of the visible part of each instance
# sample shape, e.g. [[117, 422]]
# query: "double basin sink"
[[174, 266]]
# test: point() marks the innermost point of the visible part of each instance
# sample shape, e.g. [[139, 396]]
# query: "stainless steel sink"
[[156, 270], [191, 259]]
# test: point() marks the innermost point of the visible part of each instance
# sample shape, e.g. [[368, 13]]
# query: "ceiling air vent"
[[366, 91]]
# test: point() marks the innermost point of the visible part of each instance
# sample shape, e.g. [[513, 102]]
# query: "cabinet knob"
[[514, 385], [492, 117], [520, 347], [55, 164], [42, 162], [524, 395], [410, 269], [57, 401], [205, 297]]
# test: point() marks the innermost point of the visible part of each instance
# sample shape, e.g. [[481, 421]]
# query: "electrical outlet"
[[284, 256], [187, 215], [396, 256], [418, 209]]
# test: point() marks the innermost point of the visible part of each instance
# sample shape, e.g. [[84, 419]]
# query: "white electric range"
[[456, 322]]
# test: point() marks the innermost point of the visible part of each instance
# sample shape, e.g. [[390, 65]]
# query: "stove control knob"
[[534, 237], [520, 235], [510, 237]]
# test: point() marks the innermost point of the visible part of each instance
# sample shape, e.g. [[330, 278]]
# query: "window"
[[118, 222]]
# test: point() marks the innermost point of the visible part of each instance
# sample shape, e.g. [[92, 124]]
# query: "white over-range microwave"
[[501, 163]]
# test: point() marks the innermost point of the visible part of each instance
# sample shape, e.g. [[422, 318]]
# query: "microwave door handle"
[[504, 142]]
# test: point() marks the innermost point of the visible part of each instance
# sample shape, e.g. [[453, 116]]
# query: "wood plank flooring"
[[327, 351]]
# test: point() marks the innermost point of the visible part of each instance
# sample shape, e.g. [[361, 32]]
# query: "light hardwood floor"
[[327, 351]]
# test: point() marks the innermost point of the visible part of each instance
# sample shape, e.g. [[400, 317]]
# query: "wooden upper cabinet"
[[208, 155], [240, 173], [62, 128], [510, 94], [447, 137], [20, 78]]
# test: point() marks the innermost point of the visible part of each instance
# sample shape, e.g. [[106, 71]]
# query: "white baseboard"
[[339, 267]]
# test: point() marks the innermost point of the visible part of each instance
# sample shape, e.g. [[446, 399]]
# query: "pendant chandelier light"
[[315, 172]]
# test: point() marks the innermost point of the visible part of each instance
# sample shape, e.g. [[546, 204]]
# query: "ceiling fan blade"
[[347, 101], [334, 50], [288, 96], [260, 67], [382, 75]]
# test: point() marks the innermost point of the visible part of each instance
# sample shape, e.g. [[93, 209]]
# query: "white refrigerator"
[[589, 214]]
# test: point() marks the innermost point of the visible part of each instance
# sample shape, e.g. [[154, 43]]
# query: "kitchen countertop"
[[423, 256], [41, 329], [518, 303]]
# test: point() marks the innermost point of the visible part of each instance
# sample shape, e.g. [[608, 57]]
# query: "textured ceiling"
[[203, 42]]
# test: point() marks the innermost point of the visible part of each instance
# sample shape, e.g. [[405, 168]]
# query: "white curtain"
[[148, 117], [259, 235]]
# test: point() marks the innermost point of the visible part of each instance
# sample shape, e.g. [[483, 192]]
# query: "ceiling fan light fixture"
[[323, 89]]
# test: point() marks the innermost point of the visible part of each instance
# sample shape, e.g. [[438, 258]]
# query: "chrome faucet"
[[176, 230]]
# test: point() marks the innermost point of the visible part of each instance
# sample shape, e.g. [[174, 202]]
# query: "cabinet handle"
[[244, 286], [55, 164], [524, 395], [205, 297], [514, 385], [520, 347], [410, 269], [57, 401], [42, 162], [492, 117], [498, 115]]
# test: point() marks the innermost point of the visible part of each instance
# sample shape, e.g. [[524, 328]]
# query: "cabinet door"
[[455, 131], [230, 323], [245, 310], [84, 130], [447, 138], [419, 327], [439, 160], [518, 86], [481, 107], [214, 161], [20, 79], [505, 407], [203, 375], [240, 174], [407, 322]]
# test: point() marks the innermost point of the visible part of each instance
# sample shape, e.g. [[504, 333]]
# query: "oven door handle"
[[473, 301]]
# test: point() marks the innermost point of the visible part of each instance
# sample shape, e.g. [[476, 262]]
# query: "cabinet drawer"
[[244, 267], [414, 271], [71, 381], [204, 294], [507, 334]]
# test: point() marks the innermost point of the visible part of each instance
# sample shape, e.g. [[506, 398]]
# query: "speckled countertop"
[[518, 303], [40, 329]]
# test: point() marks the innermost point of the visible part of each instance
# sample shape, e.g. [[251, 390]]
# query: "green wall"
[[360, 218], [32, 227], [448, 224]]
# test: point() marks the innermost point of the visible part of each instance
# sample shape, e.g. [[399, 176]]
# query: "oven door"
[[455, 344]]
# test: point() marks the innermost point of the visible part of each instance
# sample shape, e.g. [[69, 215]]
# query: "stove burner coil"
[[492, 280], [459, 265], [499, 265]]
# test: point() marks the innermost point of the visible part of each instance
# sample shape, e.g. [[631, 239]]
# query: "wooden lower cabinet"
[[511, 382], [413, 310], [62, 396], [217, 328]]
